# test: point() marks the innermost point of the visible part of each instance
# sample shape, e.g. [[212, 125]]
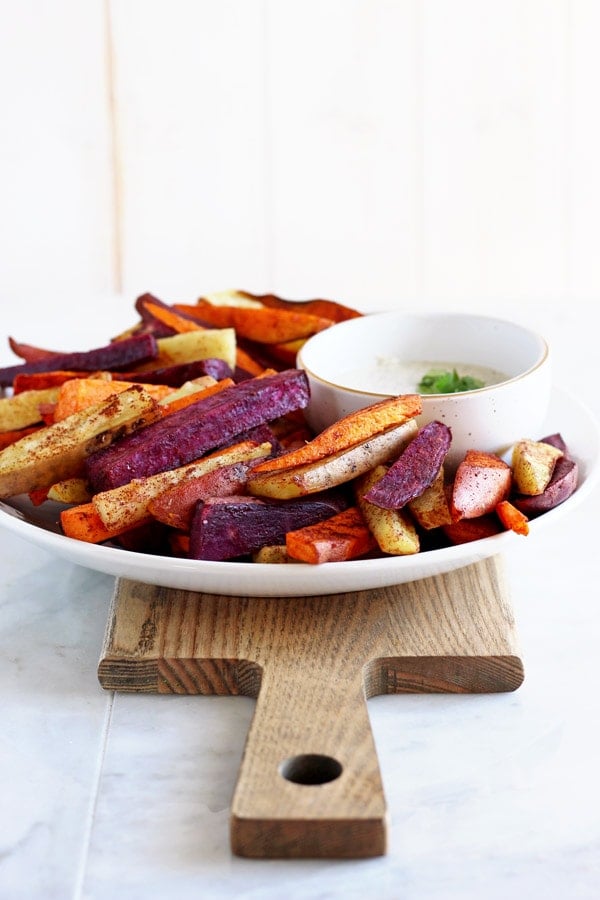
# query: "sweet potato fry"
[[70, 490], [191, 432], [431, 509], [230, 527], [11, 437], [79, 393], [512, 518], [175, 506], [35, 381], [116, 355], [23, 410], [58, 451], [333, 470], [393, 529], [191, 392], [169, 316], [127, 505], [191, 346], [266, 326], [84, 524], [328, 309], [466, 530], [353, 429], [481, 482], [562, 484], [341, 537], [415, 469], [28, 352]]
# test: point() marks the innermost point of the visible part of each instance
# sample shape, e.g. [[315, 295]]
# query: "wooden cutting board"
[[309, 783]]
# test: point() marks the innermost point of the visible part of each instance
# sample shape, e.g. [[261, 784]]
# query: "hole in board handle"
[[310, 768]]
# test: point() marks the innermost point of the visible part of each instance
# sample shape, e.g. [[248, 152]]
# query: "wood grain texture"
[[309, 783]]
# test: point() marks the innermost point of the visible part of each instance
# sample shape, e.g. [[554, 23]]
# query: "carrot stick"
[[512, 518]]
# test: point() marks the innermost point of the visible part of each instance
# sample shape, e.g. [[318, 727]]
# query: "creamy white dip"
[[389, 375]]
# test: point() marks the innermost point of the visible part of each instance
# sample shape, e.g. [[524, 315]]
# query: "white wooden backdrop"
[[381, 152]]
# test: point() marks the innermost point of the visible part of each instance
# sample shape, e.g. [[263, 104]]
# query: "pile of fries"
[[186, 436]]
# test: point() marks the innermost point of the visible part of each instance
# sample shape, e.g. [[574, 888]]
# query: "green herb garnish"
[[438, 381]]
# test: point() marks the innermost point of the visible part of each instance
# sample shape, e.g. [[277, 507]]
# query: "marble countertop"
[[119, 796]]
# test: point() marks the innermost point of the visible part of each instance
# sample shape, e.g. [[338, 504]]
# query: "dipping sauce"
[[388, 375]]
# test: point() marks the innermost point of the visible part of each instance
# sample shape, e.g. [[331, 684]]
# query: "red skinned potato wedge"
[[342, 537], [481, 482], [128, 505], [59, 451], [333, 470], [230, 527], [415, 469]]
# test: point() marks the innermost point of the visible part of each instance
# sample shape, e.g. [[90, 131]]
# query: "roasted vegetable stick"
[[342, 537], [336, 469], [191, 346], [229, 527], [353, 429], [512, 518], [84, 524], [329, 309], [117, 355], [265, 326], [79, 393], [127, 505], [175, 506], [58, 451], [415, 469], [191, 432], [23, 410], [393, 529]]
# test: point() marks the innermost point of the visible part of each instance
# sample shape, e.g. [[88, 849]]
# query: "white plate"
[[39, 525]]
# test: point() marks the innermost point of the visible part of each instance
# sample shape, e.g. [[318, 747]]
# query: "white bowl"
[[353, 364]]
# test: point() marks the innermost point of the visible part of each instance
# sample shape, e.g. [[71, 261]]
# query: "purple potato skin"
[[562, 484], [230, 527], [114, 356], [414, 470]]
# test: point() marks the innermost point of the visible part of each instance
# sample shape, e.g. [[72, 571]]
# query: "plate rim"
[[299, 579]]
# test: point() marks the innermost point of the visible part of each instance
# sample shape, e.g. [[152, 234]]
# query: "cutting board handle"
[[309, 783]]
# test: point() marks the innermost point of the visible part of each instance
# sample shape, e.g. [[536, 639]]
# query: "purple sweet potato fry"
[[229, 527], [116, 355], [414, 470], [562, 484], [179, 373], [556, 440], [191, 432]]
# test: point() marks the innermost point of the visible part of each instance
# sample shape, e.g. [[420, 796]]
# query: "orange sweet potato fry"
[[466, 530], [265, 326], [79, 393], [179, 324], [512, 518], [10, 437], [353, 429], [342, 537], [36, 381], [328, 309], [193, 397], [84, 524]]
